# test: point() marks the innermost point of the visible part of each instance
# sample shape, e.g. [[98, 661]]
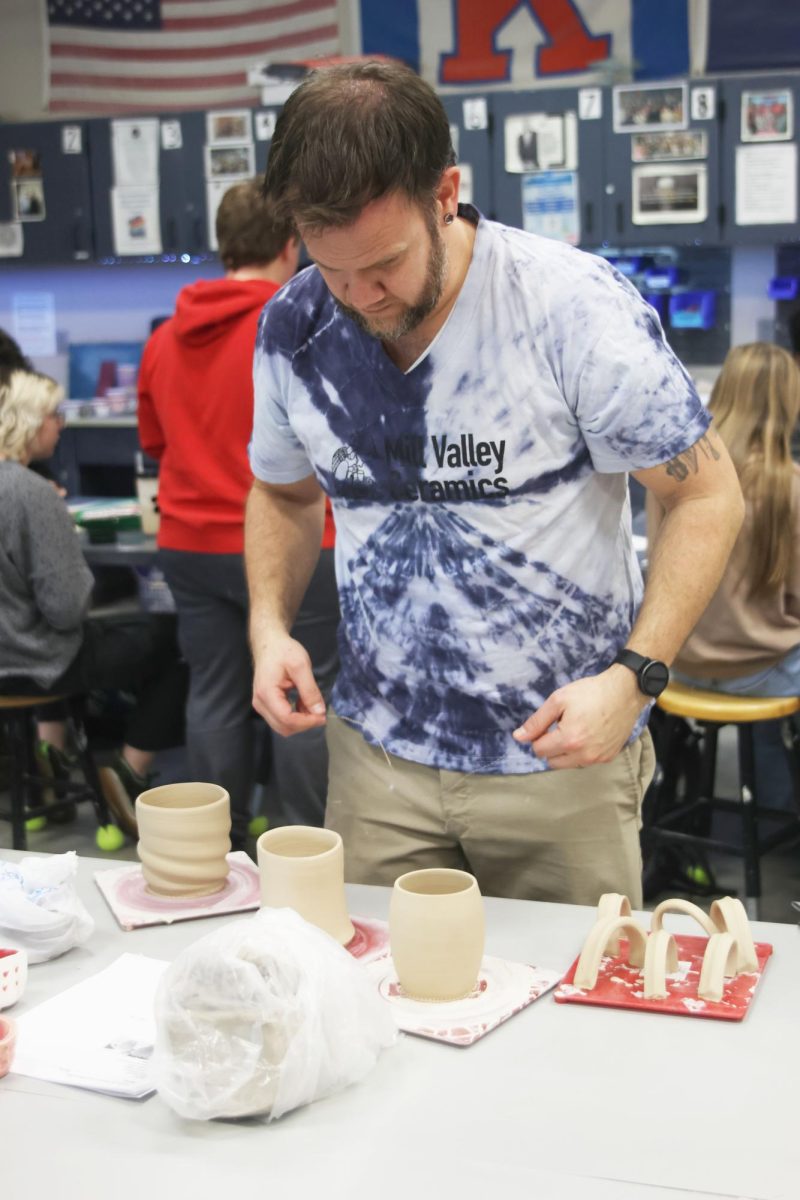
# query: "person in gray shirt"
[[48, 644]]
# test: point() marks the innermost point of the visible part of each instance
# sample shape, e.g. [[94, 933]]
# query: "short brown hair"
[[351, 134], [249, 234]]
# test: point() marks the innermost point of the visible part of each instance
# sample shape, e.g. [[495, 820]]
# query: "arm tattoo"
[[687, 461]]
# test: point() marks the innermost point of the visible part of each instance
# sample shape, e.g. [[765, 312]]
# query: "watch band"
[[652, 675], [629, 658]]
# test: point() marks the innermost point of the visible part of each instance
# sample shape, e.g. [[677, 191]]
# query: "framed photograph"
[[230, 162], [25, 164], [28, 199], [229, 127], [650, 106], [666, 147], [767, 116], [670, 195], [541, 142]]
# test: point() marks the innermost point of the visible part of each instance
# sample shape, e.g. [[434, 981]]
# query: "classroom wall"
[[99, 304]]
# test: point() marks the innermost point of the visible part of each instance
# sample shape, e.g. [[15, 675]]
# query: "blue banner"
[[743, 36], [529, 43]]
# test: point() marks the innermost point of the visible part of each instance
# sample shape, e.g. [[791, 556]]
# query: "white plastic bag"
[[263, 1015], [39, 906]]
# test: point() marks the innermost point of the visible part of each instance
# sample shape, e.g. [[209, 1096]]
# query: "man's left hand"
[[585, 722]]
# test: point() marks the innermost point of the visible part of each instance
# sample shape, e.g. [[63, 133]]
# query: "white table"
[[563, 1102]]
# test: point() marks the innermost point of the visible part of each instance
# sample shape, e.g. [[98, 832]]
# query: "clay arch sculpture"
[[660, 959], [613, 904], [729, 916], [719, 961], [682, 906], [601, 934]]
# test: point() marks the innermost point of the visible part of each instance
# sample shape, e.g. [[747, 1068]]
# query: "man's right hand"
[[284, 667]]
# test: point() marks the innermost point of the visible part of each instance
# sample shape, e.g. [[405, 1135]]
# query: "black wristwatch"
[[651, 674]]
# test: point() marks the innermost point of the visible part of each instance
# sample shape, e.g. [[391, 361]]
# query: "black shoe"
[[121, 785]]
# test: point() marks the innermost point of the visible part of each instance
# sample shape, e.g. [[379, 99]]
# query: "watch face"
[[654, 677]]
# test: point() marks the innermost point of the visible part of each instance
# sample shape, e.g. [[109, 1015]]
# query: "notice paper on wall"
[[215, 190], [11, 239], [550, 205], [766, 184], [134, 152], [136, 220], [33, 322]]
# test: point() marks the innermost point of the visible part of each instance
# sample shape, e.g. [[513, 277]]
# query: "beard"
[[411, 315]]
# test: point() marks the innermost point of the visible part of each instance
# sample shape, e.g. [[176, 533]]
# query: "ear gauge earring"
[[448, 218]]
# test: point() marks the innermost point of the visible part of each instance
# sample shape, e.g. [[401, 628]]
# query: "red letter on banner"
[[570, 46]]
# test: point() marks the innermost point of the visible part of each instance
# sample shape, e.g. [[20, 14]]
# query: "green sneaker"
[[121, 785], [56, 765], [257, 826]]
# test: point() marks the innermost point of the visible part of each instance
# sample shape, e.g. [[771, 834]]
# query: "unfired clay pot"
[[436, 931], [183, 838], [302, 867]]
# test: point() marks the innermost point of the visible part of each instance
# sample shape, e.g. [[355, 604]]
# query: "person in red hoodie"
[[195, 417]]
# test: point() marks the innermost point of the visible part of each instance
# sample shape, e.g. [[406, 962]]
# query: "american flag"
[[132, 56]]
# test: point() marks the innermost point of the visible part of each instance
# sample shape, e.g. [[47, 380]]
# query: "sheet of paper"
[[215, 190], [766, 184], [137, 221], [550, 205], [134, 152], [11, 240], [98, 1034], [33, 321]]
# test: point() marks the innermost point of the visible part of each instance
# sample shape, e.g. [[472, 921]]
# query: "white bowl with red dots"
[[13, 975]]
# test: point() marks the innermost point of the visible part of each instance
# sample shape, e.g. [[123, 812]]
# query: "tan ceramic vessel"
[[184, 837], [436, 930], [302, 867]]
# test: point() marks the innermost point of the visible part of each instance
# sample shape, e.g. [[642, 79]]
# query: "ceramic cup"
[[302, 867], [8, 1040], [13, 976], [184, 837], [147, 495], [436, 931]]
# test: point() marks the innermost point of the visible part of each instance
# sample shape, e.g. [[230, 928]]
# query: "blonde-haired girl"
[[30, 416], [748, 639], [48, 643]]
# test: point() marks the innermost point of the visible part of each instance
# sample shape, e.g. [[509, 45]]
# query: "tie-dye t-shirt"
[[484, 553]]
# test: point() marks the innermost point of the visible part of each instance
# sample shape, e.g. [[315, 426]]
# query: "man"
[[527, 147], [195, 416], [493, 388]]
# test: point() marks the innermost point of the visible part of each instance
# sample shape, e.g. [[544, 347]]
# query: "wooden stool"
[[713, 710], [28, 784]]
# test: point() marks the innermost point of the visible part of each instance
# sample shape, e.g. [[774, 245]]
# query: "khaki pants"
[[565, 836]]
